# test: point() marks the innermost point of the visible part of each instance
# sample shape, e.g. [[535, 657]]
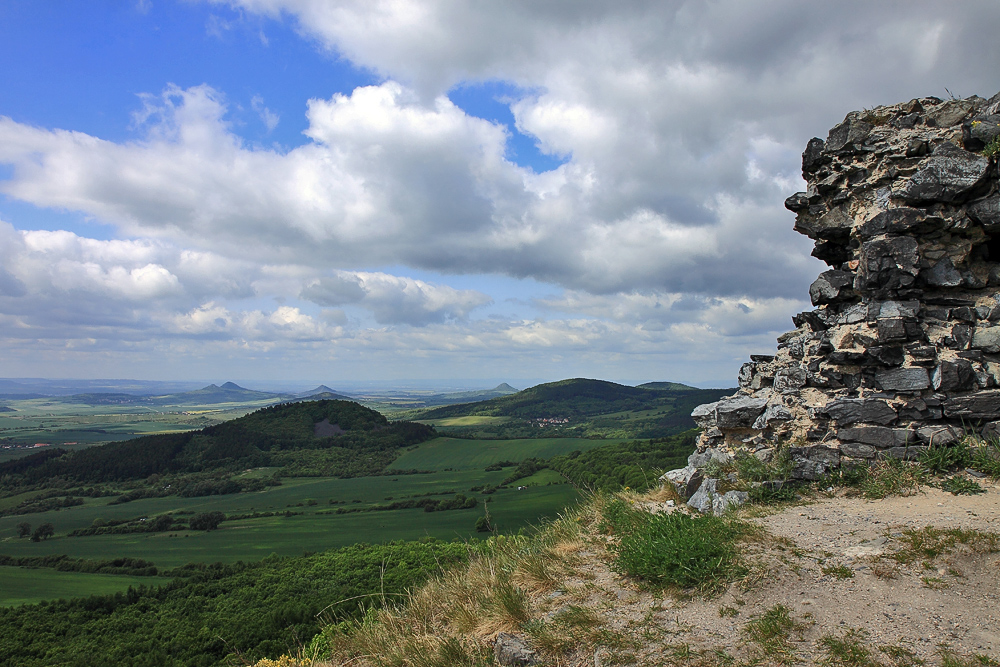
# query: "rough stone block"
[[903, 379], [953, 376], [852, 410], [986, 339], [701, 500], [739, 412], [978, 405], [939, 435], [948, 175], [512, 651], [877, 436], [773, 413], [857, 450], [704, 415]]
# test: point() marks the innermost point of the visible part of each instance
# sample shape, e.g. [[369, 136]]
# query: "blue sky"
[[301, 190]]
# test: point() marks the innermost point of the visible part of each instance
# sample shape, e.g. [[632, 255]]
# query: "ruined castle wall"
[[902, 349]]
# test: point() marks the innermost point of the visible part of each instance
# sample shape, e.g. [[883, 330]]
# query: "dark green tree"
[[43, 532], [23, 529]]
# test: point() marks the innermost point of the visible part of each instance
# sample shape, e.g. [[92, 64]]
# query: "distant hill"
[[468, 396], [578, 397], [656, 409], [230, 392], [322, 396], [666, 386], [365, 443]]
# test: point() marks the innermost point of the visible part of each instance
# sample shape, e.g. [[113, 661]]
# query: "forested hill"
[[580, 398], [342, 437]]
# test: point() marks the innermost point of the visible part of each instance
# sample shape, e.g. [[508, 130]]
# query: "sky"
[[281, 191]]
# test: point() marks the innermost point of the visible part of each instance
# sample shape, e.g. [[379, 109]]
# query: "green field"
[[253, 539], [470, 420], [461, 454], [23, 585], [316, 526]]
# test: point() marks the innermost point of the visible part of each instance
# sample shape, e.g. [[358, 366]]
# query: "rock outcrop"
[[903, 348]]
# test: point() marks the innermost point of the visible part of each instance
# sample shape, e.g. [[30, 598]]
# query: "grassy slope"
[[23, 585], [463, 454]]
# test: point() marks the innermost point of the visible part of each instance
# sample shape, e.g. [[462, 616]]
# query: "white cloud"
[[394, 299], [682, 123]]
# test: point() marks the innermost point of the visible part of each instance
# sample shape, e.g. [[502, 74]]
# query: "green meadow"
[[307, 519], [23, 585], [462, 454]]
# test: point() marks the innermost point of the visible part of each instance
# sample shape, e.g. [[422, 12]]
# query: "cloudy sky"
[[348, 190]]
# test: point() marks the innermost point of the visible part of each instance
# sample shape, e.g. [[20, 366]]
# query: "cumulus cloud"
[[681, 124], [395, 299]]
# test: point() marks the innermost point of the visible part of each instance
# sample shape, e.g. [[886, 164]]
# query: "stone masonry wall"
[[903, 348]]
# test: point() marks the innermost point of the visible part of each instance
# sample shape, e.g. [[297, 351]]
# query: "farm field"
[[318, 527], [25, 585], [313, 524], [464, 454]]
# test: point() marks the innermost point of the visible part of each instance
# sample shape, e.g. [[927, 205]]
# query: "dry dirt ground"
[[944, 609]]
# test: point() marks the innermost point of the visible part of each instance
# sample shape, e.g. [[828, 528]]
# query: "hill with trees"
[[341, 437], [584, 407]]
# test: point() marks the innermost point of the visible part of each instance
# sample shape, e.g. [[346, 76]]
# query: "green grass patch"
[[675, 550], [23, 585], [460, 454], [771, 633]]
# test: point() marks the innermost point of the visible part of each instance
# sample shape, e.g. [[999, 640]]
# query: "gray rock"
[[986, 339], [986, 212], [953, 376], [739, 412], [887, 264], [950, 174], [877, 436], [773, 413], [906, 453], [942, 274], [699, 459], [849, 134], [702, 498], [852, 410], [729, 500], [813, 157], [893, 309], [979, 405], [991, 431], [512, 651], [790, 378], [704, 415], [831, 225], [831, 287], [903, 379], [903, 220], [951, 112], [939, 436], [680, 479], [857, 450]]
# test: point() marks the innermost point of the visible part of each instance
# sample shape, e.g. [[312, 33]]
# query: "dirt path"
[[904, 612]]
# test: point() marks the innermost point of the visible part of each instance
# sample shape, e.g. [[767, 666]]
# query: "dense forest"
[[250, 610]]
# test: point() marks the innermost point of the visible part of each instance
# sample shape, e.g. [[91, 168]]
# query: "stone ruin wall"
[[903, 348]]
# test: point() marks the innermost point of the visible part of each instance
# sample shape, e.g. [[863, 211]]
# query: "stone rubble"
[[902, 350]]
